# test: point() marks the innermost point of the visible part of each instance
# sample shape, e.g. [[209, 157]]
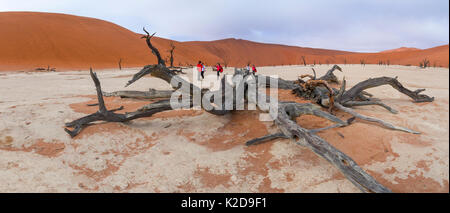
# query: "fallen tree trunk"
[[282, 84], [290, 129], [370, 119], [356, 96], [151, 94], [283, 113], [109, 115], [266, 138], [328, 77], [304, 137], [354, 92], [345, 164]]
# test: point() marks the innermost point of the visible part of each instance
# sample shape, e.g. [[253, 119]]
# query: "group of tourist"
[[202, 68]]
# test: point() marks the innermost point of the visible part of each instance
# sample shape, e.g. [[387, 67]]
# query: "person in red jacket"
[[254, 69], [219, 69], [201, 69]]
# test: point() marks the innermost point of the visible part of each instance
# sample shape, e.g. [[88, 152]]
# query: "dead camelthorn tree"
[[120, 64], [304, 60], [362, 62], [171, 50], [284, 114], [357, 96], [424, 63], [328, 77], [225, 60], [155, 51]]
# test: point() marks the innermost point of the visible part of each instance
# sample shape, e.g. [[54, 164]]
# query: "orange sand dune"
[[438, 56], [29, 40], [401, 49]]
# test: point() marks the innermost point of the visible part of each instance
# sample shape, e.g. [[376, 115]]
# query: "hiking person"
[[254, 69], [203, 71], [200, 68], [219, 70]]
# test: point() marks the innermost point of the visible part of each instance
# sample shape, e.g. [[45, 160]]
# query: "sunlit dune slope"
[[30, 40]]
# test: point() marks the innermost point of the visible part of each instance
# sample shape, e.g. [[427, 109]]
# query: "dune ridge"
[[30, 40], [401, 49]]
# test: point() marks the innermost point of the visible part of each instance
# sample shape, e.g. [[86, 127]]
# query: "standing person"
[[248, 67], [254, 69], [203, 71], [200, 69], [219, 70]]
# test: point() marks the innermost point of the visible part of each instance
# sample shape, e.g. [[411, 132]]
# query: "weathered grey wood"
[[282, 83], [365, 103], [356, 96], [151, 94], [289, 128], [155, 51], [266, 138], [109, 115], [304, 137], [329, 76], [314, 72], [352, 93], [344, 163], [294, 110], [375, 120], [284, 114], [325, 128]]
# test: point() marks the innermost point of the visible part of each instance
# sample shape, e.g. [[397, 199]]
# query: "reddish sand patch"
[[39, 147], [211, 180], [243, 126], [96, 175], [48, 149], [287, 95], [185, 187], [258, 160], [391, 170], [413, 184], [141, 144], [423, 164]]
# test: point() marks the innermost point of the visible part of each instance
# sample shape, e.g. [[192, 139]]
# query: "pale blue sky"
[[354, 25]]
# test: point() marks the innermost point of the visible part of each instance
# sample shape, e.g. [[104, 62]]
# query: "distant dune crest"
[[32, 40], [401, 49]]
